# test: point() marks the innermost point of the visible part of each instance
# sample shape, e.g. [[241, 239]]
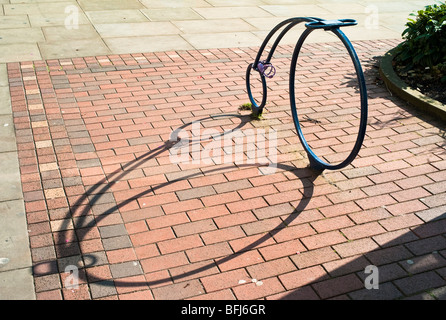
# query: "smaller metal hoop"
[[256, 108]]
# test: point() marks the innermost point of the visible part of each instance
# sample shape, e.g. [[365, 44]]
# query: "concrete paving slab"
[[116, 16], [74, 48], [392, 6], [235, 3], [233, 12], [33, 1], [11, 22], [6, 132], [344, 8], [111, 30], [4, 82], [163, 14], [209, 40], [61, 33], [174, 3], [147, 44], [288, 2], [420, 3], [45, 19], [217, 26], [17, 285], [263, 23], [296, 10], [39, 8], [19, 52], [5, 101], [14, 237], [100, 5], [10, 182], [365, 33], [21, 35], [394, 21]]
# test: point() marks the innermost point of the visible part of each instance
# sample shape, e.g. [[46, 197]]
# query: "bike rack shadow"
[[97, 190], [374, 294], [308, 174]]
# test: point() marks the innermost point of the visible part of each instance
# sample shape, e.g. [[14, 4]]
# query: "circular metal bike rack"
[[267, 70]]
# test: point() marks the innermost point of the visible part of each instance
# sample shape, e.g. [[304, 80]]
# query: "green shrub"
[[425, 40]]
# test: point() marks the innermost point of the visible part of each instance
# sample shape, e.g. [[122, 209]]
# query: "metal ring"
[[256, 109], [315, 161]]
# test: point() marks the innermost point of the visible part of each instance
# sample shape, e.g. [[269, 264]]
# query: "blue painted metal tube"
[[315, 161], [289, 23]]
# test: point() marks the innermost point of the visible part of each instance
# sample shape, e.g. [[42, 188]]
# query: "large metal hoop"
[[315, 161]]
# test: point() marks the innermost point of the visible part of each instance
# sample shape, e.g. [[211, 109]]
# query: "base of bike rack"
[[256, 113], [315, 165]]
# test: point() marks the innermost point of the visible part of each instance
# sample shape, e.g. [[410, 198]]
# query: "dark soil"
[[423, 81]]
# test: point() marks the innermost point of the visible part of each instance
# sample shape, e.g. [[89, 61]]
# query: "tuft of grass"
[[256, 117], [246, 106]]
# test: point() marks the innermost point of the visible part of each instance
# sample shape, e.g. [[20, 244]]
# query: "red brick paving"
[[101, 192]]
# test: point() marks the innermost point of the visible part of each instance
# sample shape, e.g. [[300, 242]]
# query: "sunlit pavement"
[[91, 93]]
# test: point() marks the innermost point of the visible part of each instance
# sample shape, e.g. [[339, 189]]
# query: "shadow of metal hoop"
[[262, 66]]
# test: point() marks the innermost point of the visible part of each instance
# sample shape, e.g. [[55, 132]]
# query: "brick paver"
[[103, 194]]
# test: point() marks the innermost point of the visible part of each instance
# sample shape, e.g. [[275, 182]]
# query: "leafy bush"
[[425, 41]]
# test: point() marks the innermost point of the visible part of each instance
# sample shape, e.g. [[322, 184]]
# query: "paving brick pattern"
[[102, 194]]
